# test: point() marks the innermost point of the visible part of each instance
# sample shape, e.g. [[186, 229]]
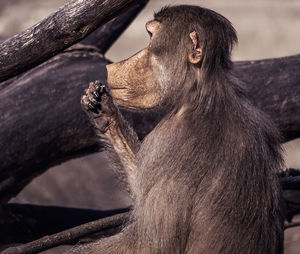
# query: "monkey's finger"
[[93, 96], [93, 100], [99, 87], [102, 89], [94, 85], [88, 105], [92, 108], [96, 94], [84, 102], [91, 87]]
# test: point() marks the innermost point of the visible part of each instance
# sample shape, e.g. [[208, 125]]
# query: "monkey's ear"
[[196, 56]]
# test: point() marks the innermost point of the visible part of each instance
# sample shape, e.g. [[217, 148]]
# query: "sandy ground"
[[266, 28]]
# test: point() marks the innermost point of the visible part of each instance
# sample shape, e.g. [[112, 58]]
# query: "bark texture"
[[60, 30], [274, 86], [48, 85]]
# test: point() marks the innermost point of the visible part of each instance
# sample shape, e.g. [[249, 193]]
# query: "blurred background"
[[266, 29]]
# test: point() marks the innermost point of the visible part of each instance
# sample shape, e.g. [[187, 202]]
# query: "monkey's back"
[[210, 187]]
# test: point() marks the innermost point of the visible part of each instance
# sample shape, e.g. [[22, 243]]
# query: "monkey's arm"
[[124, 141], [109, 121]]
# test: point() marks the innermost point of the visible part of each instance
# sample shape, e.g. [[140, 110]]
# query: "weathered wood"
[[106, 35], [274, 86], [100, 40], [291, 183], [60, 30], [291, 194], [1, 39], [103, 37], [70, 235], [49, 95], [19, 219], [42, 123]]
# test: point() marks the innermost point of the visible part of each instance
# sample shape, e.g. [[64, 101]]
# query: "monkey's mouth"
[[119, 93], [117, 88]]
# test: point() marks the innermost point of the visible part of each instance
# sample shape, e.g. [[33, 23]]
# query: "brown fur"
[[204, 180]]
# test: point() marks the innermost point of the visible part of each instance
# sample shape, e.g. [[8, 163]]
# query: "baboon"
[[204, 180]]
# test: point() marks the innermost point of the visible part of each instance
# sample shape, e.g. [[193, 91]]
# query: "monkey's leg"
[[110, 122]]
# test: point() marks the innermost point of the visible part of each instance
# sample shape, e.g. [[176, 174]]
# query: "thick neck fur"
[[228, 132]]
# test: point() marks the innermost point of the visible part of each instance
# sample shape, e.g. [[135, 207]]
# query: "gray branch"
[[274, 86], [69, 235], [60, 30]]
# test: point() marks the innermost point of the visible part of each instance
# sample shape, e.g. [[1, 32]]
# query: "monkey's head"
[[188, 45]]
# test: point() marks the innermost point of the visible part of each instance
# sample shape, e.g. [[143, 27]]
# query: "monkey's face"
[[135, 83], [143, 80]]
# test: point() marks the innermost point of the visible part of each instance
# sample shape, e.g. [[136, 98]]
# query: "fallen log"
[[108, 225]]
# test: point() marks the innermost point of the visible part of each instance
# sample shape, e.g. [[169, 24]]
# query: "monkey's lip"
[[117, 88], [117, 92], [126, 105]]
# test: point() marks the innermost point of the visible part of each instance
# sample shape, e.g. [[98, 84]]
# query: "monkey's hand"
[[107, 118], [99, 105]]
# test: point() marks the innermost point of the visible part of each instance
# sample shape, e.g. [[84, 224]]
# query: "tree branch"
[[274, 86], [291, 193], [60, 30], [17, 220], [291, 183], [107, 34], [68, 236], [54, 100]]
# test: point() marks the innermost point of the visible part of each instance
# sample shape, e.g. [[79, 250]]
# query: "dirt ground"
[[266, 29]]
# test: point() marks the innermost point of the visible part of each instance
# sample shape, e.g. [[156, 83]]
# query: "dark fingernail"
[[102, 88], [91, 106], [95, 111], [97, 86], [96, 94], [94, 101]]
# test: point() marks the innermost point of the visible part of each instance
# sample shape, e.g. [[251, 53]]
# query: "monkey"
[[204, 180]]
